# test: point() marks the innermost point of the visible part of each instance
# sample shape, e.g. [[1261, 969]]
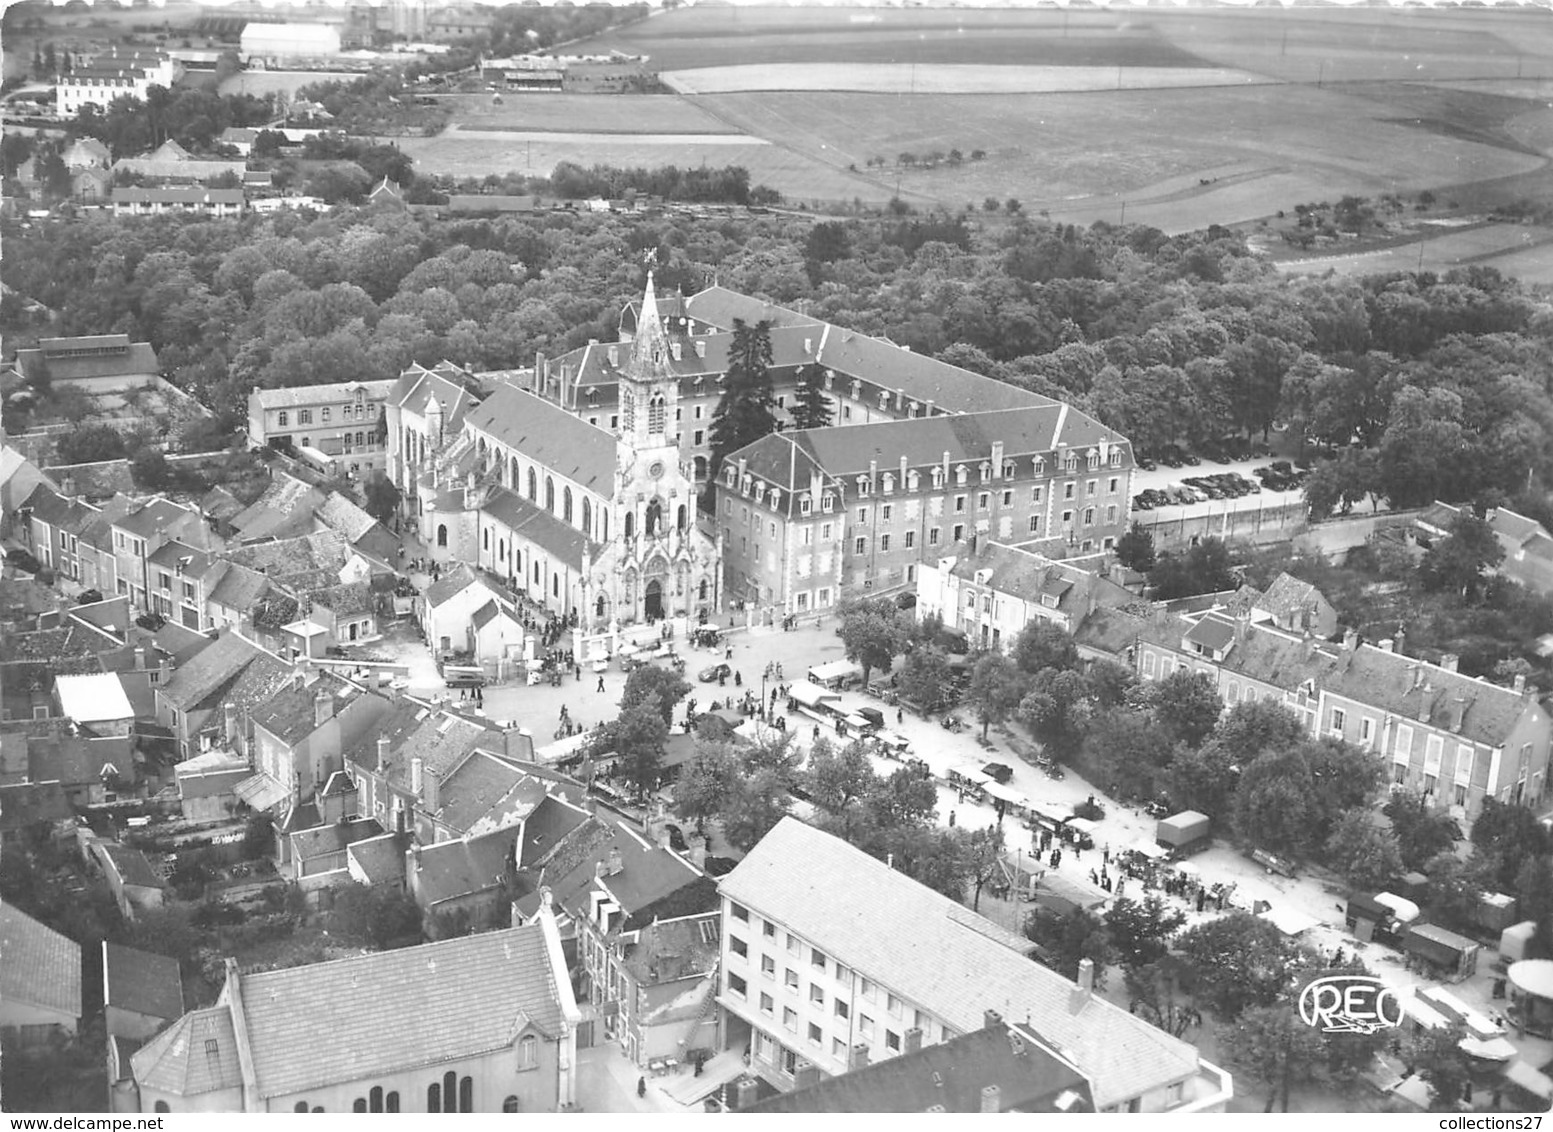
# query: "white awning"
[[1289, 921], [811, 695], [1148, 849], [971, 774], [1496, 1050], [1013, 797], [1530, 1078], [261, 792]]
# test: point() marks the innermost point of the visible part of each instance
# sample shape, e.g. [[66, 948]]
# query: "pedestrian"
[[641, 1086], [1106, 853], [579, 673], [1201, 897], [729, 654], [1221, 902], [951, 819], [816, 732], [601, 681], [1093, 879], [738, 679], [900, 715]]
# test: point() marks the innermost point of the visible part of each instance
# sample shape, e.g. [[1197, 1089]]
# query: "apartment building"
[[332, 426]]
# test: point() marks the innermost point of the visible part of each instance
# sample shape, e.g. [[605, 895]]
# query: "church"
[[591, 522]]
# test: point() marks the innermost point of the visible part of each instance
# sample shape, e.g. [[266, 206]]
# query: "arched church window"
[[679, 523], [550, 495], [657, 413], [630, 524], [533, 485], [442, 534], [654, 519], [587, 517], [566, 504], [512, 474]]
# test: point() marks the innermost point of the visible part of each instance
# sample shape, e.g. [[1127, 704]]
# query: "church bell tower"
[[649, 388]]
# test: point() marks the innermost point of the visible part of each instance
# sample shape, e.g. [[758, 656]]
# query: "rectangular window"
[[817, 994], [1067, 518], [842, 1010], [884, 543], [739, 912], [843, 975], [738, 946], [737, 985], [767, 1003], [1035, 494], [792, 944], [1402, 746], [911, 539], [838, 1048], [1464, 757], [959, 531], [959, 504], [1339, 719], [1433, 749], [865, 1026], [885, 512], [324, 414], [1067, 490], [700, 438], [304, 416], [768, 929], [1089, 516], [768, 966], [862, 516], [893, 1005], [790, 1019], [1459, 794], [1148, 665], [816, 1037], [817, 959], [1110, 514], [984, 501], [932, 537], [868, 990], [790, 978], [1008, 497], [892, 1040]]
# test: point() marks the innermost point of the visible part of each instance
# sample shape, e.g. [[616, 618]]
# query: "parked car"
[[714, 673]]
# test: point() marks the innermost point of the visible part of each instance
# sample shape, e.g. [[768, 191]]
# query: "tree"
[[1362, 853], [1238, 961], [1422, 831], [1459, 561], [873, 634], [658, 688], [89, 444], [811, 408], [1187, 705], [1044, 644], [1154, 994], [1512, 836], [1057, 710], [1067, 939], [1135, 549], [258, 837], [925, 677], [1203, 569], [755, 806], [1128, 751], [1256, 726], [746, 411], [639, 735], [382, 498], [1455, 887], [704, 785], [1277, 1048], [1534, 901], [983, 856], [997, 687], [1203, 780], [1140, 931], [151, 470], [1435, 1053], [840, 781], [905, 798]]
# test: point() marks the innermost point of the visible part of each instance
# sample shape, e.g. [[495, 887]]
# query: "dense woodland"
[[1442, 383]]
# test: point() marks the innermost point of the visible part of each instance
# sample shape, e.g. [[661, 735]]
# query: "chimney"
[[1520, 685], [417, 776], [1458, 711], [808, 346], [698, 853], [946, 466], [1386, 644], [1084, 987], [323, 707], [873, 475], [1242, 623], [905, 468], [616, 862], [677, 350], [1450, 661], [991, 1099], [997, 459], [140, 658], [806, 1076], [382, 753], [229, 729], [1350, 640], [598, 870], [700, 347], [858, 1057], [614, 357], [913, 1040], [67, 486], [745, 1093], [991, 1020]]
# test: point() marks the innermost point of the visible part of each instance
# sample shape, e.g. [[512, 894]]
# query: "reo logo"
[[1349, 1004]]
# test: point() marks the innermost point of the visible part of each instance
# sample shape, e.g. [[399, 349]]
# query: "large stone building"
[[334, 427]]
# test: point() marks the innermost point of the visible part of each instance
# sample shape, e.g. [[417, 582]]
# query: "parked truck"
[[1450, 956], [1382, 917], [1183, 834]]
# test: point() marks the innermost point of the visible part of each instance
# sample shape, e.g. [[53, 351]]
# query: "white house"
[[449, 606]]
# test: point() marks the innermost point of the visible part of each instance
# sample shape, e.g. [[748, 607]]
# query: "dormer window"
[[1049, 601], [827, 504], [889, 484], [805, 505], [912, 480], [1116, 457], [986, 471], [1069, 462], [863, 486], [961, 474], [1094, 459], [884, 399], [732, 476], [938, 477], [1008, 469], [776, 497], [1040, 465]]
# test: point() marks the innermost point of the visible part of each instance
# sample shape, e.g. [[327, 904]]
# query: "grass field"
[[585, 113], [268, 82], [944, 78], [1513, 248]]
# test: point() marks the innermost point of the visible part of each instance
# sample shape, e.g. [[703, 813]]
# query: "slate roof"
[[321, 394], [111, 615], [135, 359], [321, 840], [550, 823], [413, 731], [449, 870], [949, 1077], [313, 1026], [1288, 598], [153, 519], [291, 713], [785, 458], [196, 563], [24, 805], [667, 952], [701, 362], [211, 669], [380, 858], [141, 982], [238, 587], [548, 435], [195, 195], [55, 755], [478, 783], [49, 506], [179, 1060], [530, 521], [133, 866], [649, 872], [307, 556], [340, 514], [220, 504], [417, 385], [42, 968], [1030, 577], [180, 643], [453, 583], [1212, 633], [719, 307], [931, 950], [697, 898]]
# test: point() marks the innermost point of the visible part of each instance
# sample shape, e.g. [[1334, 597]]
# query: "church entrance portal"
[[654, 600]]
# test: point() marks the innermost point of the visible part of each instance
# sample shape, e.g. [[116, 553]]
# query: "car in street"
[[714, 673]]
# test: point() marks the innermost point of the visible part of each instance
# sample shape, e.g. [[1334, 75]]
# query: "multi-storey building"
[[113, 75], [845, 962], [218, 204], [140, 533], [1456, 739], [329, 424]]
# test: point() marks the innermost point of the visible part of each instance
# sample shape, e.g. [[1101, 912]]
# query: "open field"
[[711, 36], [267, 82], [944, 78], [1514, 249], [584, 113]]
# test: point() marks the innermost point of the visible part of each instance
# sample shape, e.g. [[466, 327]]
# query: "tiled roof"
[[196, 1054], [239, 587], [949, 1077], [440, 740], [346, 599], [479, 782], [55, 755], [380, 858], [285, 509], [307, 559], [1517, 529], [1288, 597], [551, 822], [291, 714], [694, 899], [549, 435], [340, 514], [1212, 632], [139, 358], [321, 840], [131, 865], [668, 952], [321, 394], [210, 669], [141, 982], [112, 615], [195, 563], [57, 646], [28, 597], [313, 1026], [449, 870], [219, 503], [154, 518], [27, 804], [530, 521], [930, 950], [648, 872], [48, 506], [42, 968], [451, 584]]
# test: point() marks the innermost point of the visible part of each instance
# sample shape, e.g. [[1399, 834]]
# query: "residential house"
[[87, 153], [991, 592], [181, 577], [30, 662], [95, 482], [497, 634], [51, 522], [1003, 1067], [33, 813], [40, 980], [85, 767], [211, 698], [347, 613], [144, 530], [1527, 546], [1296, 607], [1457, 739], [217, 204], [814, 975], [465, 885], [171, 163], [304, 562], [665, 976], [494, 1031], [207, 785], [317, 858], [338, 423], [387, 194], [285, 510], [19, 478], [379, 862], [450, 603], [23, 601], [99, 79], [234, 594], [95, 702], [301, 733], [135, 884], [96, 363], [142, 992]]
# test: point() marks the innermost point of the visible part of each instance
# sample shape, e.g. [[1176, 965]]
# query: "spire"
[[650, 347]]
